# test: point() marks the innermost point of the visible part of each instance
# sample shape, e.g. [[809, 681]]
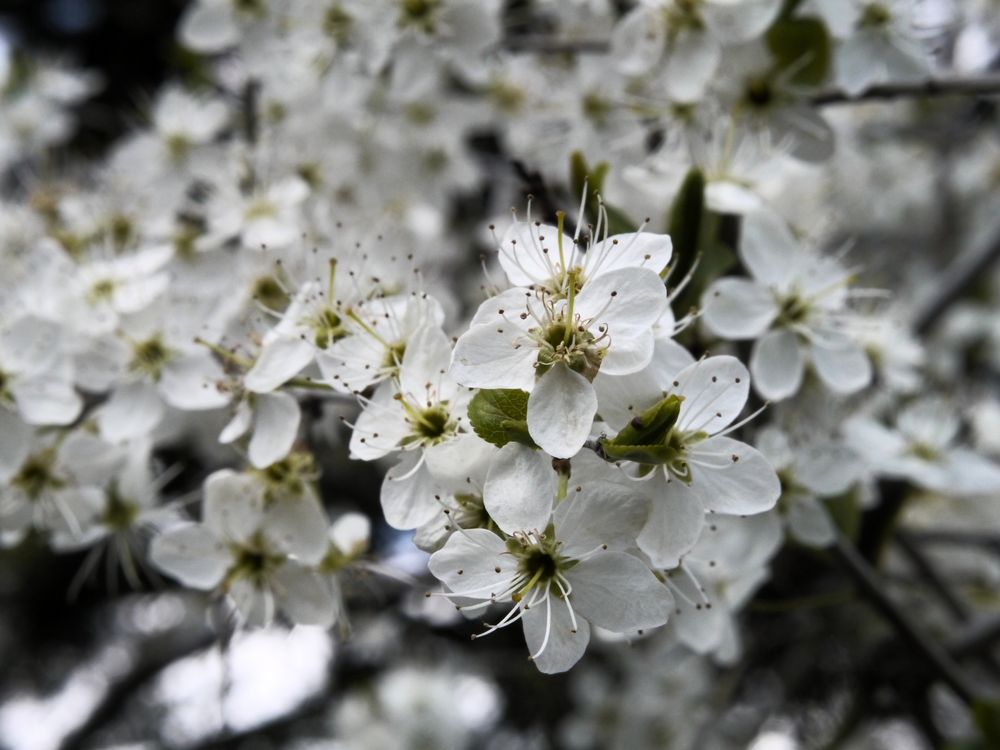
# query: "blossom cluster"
[[602, 441]]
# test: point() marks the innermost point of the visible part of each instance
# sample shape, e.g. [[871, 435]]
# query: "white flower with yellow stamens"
[[796, 306], [559, 570]]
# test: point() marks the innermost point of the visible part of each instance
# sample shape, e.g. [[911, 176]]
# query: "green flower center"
[[327, 327], [119, 513], [419, 14], [149, 356], [269, 293], [337, 23], [875, 15], [36, 475]]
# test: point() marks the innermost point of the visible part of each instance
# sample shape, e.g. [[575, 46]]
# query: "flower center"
[[287, 477], [119, 513], [149, 356], [874, 15], [419, 14], [337, 23], [36, 475]]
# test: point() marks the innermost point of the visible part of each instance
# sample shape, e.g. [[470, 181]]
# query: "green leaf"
[[685, 219], [804, 42], [646, 438], [500, 416], [987, 716]]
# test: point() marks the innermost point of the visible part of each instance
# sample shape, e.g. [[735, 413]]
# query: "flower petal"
[[618, 592], [192, 555], [738, 308], [275, 428], [549, 624], [561, 411], [715, 390], [732, 477], [778, 364], [520, 489]]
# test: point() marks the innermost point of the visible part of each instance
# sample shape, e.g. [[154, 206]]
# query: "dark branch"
[[980, 86], [956, 280], [871, 587]]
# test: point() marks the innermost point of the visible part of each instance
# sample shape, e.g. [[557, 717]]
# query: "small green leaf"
[[987, 716], [803, 45], [685, 219], [500, 416], [646, 438]]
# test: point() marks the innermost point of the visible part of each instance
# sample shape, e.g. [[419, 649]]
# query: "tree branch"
[[977, 86], [869, 584], [964, 272]]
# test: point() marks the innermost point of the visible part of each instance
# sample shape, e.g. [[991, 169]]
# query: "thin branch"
[[977, 86], [956, 280], [869, 584], [929, 574], [978, 635]]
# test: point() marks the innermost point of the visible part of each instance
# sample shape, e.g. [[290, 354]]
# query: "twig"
[[977, 635], [959, 537], [926, 570], [870, 585], [964, 272], [979, 86]]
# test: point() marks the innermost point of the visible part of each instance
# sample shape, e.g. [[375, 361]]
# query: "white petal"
[[134, 410], [303, 595], [564, 647], [192, 555], [46, 400], [520, 489], [633, 250], [30, 345], [190, 382], [600, 513], [456, 462], [629, 353], [691, 62], [477, 553], [777, 363], [208, 27], [275, 428], [637, 41], [412, 501], [733, 22], [234, 505], [256, 605], [239, 425], [809, 522], [621, 397], [617, 591], [280, 360], [561, 411], [738, 308], [298, 526], [740, 480], [626, 299], [676, 519], [522, 252], [426, 360], [843, 370], [351, 533], [768, 249], [495, 355], [715, 390], [381, 425]]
